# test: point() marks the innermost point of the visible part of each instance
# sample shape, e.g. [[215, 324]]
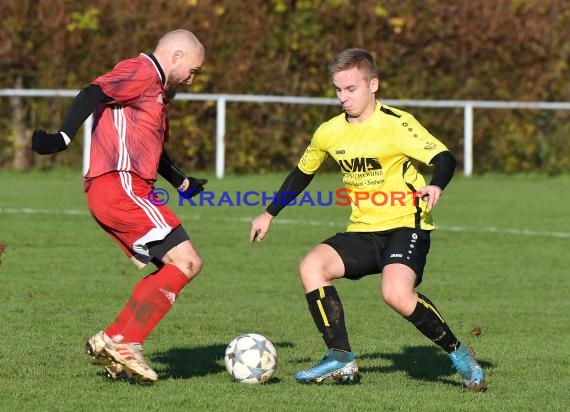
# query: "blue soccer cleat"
[[338, 366], [470, 371]]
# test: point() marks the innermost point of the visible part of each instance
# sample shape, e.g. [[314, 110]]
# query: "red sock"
[[116, 328], [151, 299]]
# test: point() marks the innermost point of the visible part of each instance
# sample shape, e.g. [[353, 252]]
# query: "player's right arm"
[[260, 226], [82, 106], [297, 180], [292, 186]]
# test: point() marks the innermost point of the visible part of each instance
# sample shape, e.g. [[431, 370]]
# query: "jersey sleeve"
[[415, 141], [125, 82], [315, 155]]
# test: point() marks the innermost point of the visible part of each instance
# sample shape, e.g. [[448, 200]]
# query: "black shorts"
[[366, 253], [157, 250]]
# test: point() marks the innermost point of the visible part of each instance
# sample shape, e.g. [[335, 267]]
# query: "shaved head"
[[181, 55], [178, 40]]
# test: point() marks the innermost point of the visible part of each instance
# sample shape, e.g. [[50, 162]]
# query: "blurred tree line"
[[431, 49]]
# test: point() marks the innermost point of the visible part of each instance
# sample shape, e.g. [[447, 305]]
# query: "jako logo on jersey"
[[396, 255], [339, 151], [359, 164]]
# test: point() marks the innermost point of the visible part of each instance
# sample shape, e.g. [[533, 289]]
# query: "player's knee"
[[389, 297], [311, 269], [400, 302], [306, 266], [190, 266], [194, 266]]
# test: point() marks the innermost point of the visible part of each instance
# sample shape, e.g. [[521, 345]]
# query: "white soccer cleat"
[[95, 346], [130, 356]]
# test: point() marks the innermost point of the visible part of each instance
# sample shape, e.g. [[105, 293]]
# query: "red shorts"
[[119, 202]]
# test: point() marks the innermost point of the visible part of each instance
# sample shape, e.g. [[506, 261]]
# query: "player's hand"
[[260, 226], [191, 187], [47, 143], [429, 194]]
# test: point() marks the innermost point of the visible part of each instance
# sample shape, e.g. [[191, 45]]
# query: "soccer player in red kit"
[[130, 105]]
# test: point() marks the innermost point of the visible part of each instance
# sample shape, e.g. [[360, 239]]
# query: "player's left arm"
[[444, 167], [188, 186], [416, 142]]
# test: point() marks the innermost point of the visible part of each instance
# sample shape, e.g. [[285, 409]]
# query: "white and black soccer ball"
[[251, 358]]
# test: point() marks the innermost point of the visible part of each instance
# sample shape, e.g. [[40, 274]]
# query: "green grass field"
[[499, 261]]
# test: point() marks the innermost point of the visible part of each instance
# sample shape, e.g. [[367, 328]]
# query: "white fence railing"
[[221, 99]]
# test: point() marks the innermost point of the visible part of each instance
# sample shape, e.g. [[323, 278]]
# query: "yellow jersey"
[[377, 159]]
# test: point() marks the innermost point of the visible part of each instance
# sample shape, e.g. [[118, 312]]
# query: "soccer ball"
[[251, 358]]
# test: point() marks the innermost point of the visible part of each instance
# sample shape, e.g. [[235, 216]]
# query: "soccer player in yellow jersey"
[[377, 149]]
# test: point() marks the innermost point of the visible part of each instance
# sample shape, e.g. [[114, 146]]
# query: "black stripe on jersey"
[[157, 64], [418, 214], [389, 112], [405, 167]]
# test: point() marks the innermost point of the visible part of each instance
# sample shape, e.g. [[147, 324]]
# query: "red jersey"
[[129, 131]]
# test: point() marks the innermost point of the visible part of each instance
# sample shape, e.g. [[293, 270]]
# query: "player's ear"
[[177, 55], [374, 84]]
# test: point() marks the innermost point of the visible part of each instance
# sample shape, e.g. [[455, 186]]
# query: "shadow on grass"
[[188, 362], [427, 363], [184, 363]]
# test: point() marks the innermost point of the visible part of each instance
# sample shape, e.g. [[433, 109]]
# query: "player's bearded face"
[[171, 89], [183, 72], [174, 80]]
